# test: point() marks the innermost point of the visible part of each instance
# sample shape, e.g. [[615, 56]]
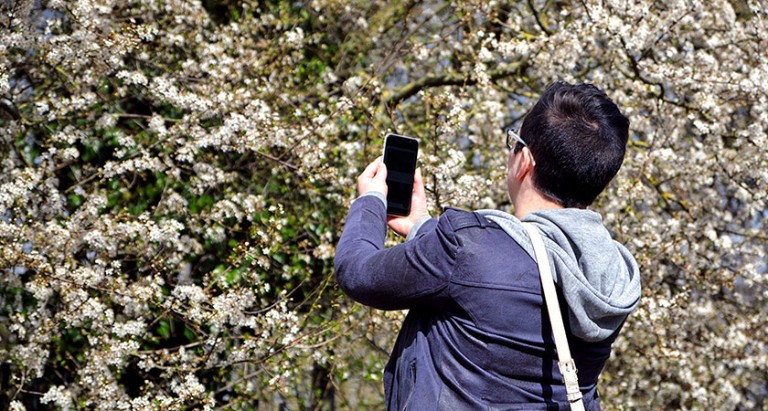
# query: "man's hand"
[[403, 225], [373, 178]]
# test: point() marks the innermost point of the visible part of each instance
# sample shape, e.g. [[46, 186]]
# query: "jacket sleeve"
[[414, 273]]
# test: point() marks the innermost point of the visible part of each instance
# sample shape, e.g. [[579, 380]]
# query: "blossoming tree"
[[175, 173]]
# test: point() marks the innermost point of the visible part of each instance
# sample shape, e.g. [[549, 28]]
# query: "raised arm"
[[415, 273]]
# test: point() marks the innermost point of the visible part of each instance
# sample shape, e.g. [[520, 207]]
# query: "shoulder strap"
[[565, 362], [461, 219]]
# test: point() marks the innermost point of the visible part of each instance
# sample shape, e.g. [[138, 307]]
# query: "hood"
[[599, 277]]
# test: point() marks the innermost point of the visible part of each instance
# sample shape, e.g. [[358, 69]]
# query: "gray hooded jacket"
[[599, 277]]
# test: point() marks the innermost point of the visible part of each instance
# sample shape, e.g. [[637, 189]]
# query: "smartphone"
[[400, 154]]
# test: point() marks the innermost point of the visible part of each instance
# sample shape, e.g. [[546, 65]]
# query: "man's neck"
[[533, 202]]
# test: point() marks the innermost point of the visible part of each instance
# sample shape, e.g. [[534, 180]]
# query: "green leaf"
[[75, 200], [164, 329]]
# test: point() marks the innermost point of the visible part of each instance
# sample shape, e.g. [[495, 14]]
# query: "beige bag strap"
[[565, 362]]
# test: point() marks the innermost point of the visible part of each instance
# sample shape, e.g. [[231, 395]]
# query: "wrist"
[[374, 193], [414, 229]]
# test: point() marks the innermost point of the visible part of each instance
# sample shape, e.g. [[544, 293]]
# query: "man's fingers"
[[381, 170], [418, 183], [370, 171], [373, 178]]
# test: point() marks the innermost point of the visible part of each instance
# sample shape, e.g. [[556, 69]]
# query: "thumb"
[[370, 170], [381, 172]]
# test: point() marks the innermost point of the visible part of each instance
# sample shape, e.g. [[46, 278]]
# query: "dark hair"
[[578, 138]]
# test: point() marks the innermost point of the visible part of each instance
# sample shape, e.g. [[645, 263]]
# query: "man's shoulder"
[[458, 219]]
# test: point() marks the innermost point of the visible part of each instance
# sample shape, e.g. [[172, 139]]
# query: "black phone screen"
[[400, 154]]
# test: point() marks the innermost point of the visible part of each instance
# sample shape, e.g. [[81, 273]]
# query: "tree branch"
[[539, 20], [453, 79]]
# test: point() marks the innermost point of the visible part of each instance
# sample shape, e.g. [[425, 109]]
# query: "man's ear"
[[526, 164]]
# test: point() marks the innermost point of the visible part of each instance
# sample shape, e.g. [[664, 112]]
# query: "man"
[[477, 336]]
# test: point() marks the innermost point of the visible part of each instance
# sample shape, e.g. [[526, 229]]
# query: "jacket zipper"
[[413, 386]]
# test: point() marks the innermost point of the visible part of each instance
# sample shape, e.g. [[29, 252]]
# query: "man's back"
[[477, 335]]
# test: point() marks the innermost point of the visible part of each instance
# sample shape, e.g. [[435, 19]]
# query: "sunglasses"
[[514, 142]]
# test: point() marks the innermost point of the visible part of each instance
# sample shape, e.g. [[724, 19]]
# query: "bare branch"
[[453, 79]]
